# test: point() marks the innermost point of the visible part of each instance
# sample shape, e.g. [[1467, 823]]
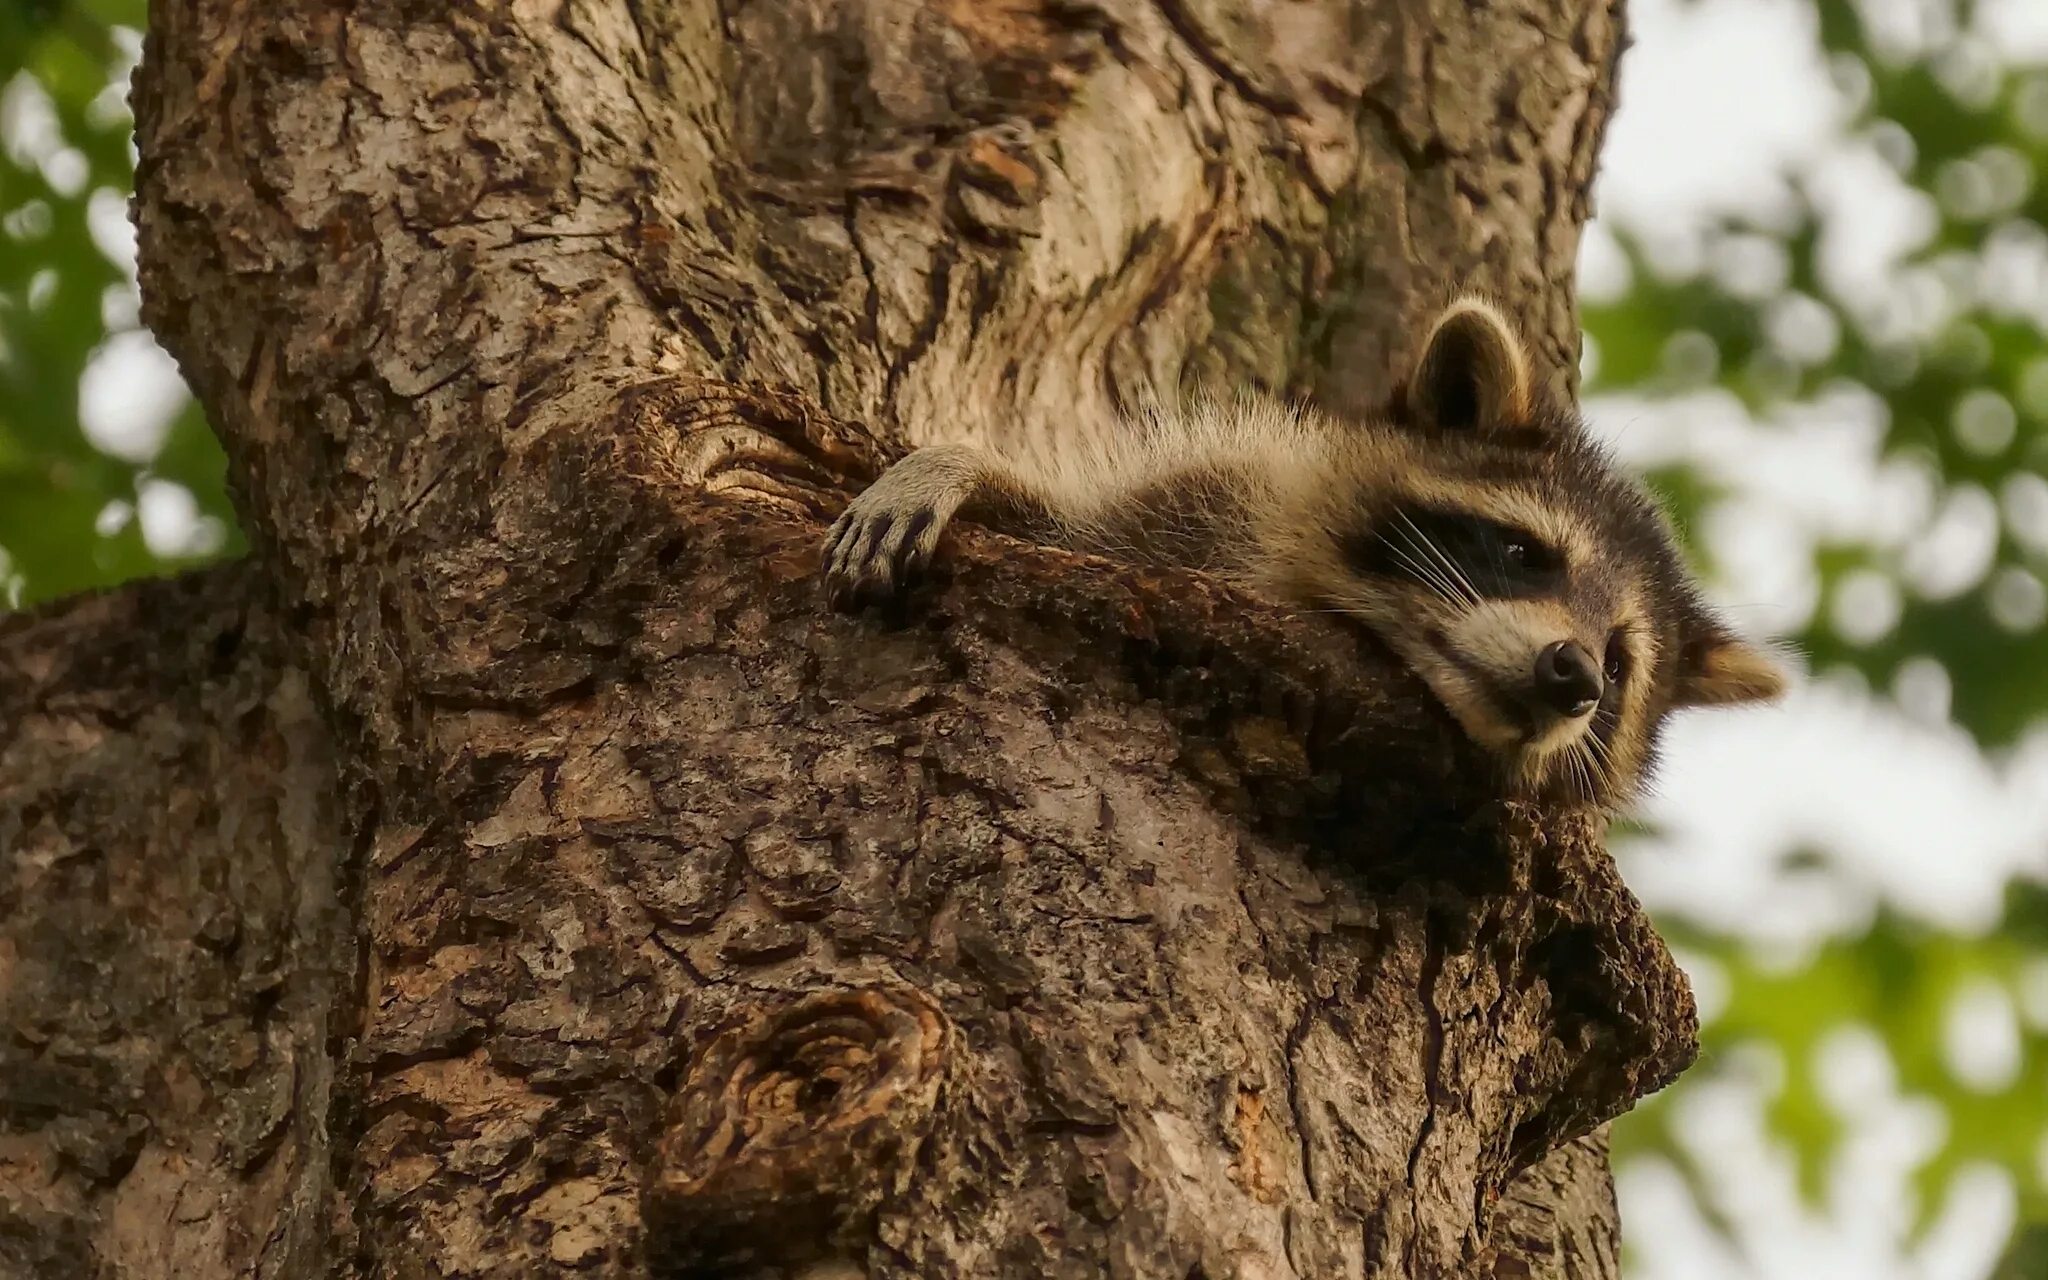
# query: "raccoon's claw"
[[874, 551], [890, 532]]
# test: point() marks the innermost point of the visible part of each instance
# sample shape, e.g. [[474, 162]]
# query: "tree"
[[511, 868]]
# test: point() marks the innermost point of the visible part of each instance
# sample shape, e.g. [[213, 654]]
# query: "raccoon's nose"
[[1567, 680]]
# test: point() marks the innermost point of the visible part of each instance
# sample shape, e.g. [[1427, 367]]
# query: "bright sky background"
[[1717, 100]]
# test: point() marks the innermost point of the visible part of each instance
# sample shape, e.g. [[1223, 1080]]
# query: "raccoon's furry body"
[[1480, 533]]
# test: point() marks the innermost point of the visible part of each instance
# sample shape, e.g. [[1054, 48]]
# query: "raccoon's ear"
[[1717, 668], [1472, 373]]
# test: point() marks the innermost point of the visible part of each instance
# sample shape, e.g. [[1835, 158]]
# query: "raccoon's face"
[[1537, 590]]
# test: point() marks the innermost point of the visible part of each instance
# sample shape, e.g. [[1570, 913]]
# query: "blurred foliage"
[[68, 510], [1963, 377], [2028, 1258]]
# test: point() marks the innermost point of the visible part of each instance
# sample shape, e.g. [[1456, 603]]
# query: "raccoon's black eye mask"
[[1455, 552]]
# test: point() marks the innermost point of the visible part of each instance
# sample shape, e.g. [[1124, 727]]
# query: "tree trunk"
[[514, 870]]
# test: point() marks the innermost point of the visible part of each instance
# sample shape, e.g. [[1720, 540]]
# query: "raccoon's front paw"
[[880, 544]]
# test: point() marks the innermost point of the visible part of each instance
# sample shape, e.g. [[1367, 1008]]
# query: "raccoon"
[[1473, 525]]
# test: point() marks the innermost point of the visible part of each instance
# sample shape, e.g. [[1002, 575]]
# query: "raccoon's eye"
[[1458, 553], [1616, 665], [1525, 553]]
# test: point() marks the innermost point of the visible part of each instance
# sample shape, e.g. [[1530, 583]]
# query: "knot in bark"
[[796, 1119]]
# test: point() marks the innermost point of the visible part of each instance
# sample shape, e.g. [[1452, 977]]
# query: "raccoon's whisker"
[[1584, 765], [1447, 568], [1434, 579], [1417, 560], [1602, 750], [1426, 572], [1451, 568], [1601, 758], [1419, 542], [1572, 769], [1457, 570]]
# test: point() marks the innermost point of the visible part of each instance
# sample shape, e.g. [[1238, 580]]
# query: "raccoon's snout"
[[1567, 680]]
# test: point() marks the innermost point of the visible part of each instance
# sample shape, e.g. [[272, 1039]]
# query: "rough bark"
[[617, 907]]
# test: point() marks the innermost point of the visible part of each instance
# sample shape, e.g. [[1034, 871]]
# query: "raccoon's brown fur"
[[1477, 530]]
